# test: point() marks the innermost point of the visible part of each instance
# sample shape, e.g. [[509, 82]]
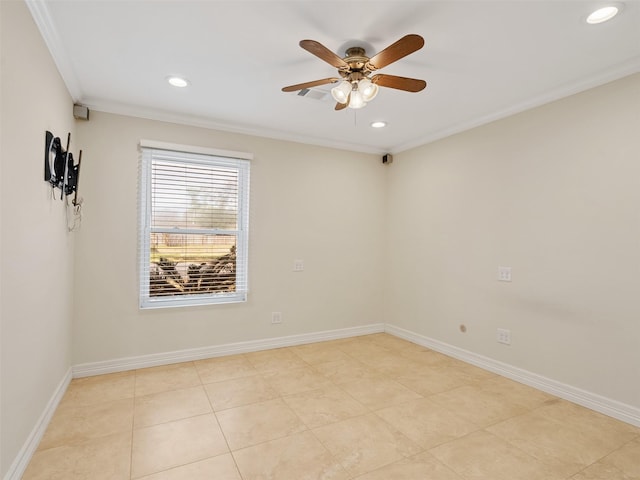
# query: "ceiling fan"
[[356, 86]]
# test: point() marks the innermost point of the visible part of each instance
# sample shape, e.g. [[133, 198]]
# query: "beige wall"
[[320, 205], [553, 193], [37, 250]]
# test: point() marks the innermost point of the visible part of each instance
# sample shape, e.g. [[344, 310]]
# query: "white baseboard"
[[607, 406], [153, 360], [19, 465]]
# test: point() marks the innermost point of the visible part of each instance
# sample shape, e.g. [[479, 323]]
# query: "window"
[[193, 225]]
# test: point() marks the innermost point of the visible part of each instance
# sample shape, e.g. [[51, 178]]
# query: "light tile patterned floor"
[[367, 408]]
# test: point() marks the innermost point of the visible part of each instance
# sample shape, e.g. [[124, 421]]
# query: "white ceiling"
[[482, 60]]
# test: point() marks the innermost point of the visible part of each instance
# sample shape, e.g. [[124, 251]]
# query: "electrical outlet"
[[503, 336], [276, 317], [298, 265], [504, 274]]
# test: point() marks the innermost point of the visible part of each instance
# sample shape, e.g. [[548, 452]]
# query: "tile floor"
[[367, 408]]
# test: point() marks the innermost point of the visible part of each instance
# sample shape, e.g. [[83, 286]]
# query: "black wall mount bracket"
[[60, 169]]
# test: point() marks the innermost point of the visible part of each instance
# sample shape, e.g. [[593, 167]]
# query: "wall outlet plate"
[[504, 274], [503, 336]]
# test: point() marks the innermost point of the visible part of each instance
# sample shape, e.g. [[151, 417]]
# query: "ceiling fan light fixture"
[[355, 88], [341, 93], [368, 89], [602, 15]]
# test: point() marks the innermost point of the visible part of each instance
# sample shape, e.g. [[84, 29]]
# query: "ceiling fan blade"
[[324, 53], [399, 83], [315, 83], [403, 47]]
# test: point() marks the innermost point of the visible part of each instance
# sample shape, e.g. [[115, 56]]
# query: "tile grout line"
[[213, 412], [133, 419]]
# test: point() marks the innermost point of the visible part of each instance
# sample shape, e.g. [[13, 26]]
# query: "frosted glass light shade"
[[341, 93], [356, 100], [368, 89]]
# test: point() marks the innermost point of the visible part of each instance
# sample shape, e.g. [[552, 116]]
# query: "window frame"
[[191, 155]]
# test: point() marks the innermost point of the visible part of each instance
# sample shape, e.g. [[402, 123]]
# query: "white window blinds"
[[193, 227]]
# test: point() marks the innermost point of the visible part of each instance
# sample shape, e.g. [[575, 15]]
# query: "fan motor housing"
[[356, 59]]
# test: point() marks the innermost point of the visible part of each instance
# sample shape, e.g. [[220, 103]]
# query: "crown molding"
[[116, 108], [42, 17], [618, 72]]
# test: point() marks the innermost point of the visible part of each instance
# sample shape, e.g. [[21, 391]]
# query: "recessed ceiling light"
[[602, 15], [379, 124], [178, 81]]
